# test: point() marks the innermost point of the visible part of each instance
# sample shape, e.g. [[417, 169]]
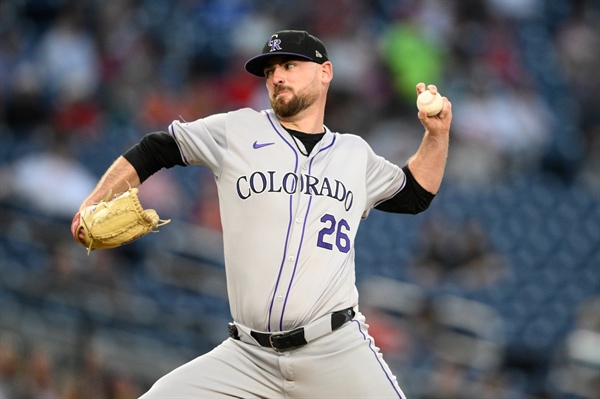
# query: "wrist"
[[76, 225]]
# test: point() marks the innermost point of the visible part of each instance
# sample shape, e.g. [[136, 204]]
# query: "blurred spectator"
[[103, 283], [75, 115], [40, 380], [458, 253], [122, 387], [587, 316], [165, 195], [496, 385], [206, 208], [11, 384], [590, 170], [61, 280], [95, 383], [576, 367], [448, 381], [578, 45], [68, 58], [25, 112], [501, 130], [52, 181]]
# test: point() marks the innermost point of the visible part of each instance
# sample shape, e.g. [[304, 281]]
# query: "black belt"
[[294, 338]]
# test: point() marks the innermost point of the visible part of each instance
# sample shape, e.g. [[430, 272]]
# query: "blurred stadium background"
[[494, 293]]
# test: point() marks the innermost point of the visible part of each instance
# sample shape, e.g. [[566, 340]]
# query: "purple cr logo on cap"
[[274, 42]]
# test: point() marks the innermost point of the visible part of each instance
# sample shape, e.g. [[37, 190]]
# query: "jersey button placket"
[[295, 242]]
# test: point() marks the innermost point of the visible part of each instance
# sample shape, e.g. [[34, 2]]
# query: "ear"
[[326, 72]]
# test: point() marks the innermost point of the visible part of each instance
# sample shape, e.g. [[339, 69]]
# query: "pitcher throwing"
[[292, 194]]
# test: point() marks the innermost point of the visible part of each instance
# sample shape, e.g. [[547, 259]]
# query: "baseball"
[[431, 103]]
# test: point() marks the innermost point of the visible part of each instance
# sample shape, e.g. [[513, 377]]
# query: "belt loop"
[[233, 331], [341, 317]]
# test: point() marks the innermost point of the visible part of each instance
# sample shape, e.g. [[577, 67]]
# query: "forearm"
[[429, 162], [117, 179]]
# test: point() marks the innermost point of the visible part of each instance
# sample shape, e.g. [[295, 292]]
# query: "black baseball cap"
[[297, 43]]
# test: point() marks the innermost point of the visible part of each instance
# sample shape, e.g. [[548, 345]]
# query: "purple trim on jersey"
[[287, 294], [290, 221], [330, 144], [281, 267], [395, 192], [389, 378], [301, 237], [172, 130]]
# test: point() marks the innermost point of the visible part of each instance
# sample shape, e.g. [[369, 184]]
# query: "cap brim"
[[256, 65]]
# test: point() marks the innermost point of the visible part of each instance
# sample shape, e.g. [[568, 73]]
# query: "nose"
[[277, 76]]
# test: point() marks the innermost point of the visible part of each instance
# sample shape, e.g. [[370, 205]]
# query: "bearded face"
[[286, 106]]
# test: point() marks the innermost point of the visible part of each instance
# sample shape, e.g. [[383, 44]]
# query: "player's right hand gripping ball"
[[432, 103], [113, 223]]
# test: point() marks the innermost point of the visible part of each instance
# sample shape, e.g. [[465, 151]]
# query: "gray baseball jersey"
[[289, 221]]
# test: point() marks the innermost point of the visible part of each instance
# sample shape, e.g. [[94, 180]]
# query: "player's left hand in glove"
[[112, 223]]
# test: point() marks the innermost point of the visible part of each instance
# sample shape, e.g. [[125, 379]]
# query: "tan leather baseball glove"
[[112, 223]]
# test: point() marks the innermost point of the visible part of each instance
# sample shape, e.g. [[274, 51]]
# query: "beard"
[[299, 102]]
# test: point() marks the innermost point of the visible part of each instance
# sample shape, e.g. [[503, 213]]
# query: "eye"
[[268, 72]]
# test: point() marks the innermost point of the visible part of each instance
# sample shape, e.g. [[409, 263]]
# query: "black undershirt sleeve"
[[411, 199], [154, 151]]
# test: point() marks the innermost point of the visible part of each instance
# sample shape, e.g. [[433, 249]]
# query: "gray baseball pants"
[[342, 364]]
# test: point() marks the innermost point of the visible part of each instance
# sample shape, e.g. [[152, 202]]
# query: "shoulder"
[[218, 119], [246, 116], [351, 139], [246, 113]]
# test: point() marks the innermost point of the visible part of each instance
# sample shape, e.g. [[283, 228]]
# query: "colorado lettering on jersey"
[[291, 183]]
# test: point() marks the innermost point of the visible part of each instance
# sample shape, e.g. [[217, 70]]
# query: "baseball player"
[[292, 194]]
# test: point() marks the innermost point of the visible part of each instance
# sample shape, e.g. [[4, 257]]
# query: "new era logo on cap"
[[288, 42]]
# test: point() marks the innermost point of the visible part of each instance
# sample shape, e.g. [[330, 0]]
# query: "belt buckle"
[[271, 339], [287, 340]]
